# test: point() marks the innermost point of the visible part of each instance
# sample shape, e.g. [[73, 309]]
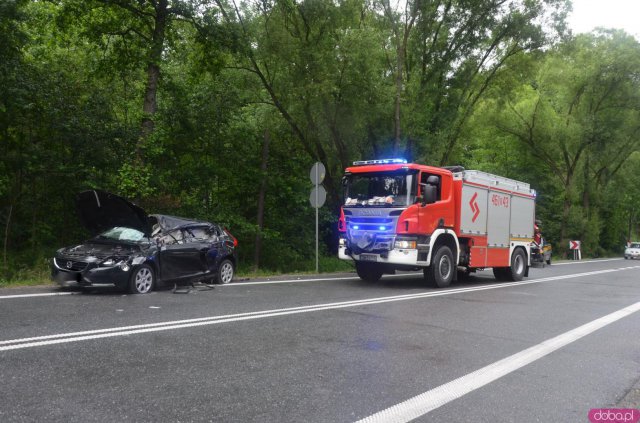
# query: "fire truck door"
[[434, 215]]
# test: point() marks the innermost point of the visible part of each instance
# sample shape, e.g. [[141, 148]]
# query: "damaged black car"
[[137, 252]]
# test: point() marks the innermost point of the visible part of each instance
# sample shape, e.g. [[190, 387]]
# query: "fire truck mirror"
[[429, 194]]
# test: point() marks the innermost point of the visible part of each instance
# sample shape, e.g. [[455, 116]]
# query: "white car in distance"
[[632, 251]]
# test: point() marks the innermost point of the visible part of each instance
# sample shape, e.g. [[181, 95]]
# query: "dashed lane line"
[[39, 341], [42, 294], [428, 401], [285, 281]]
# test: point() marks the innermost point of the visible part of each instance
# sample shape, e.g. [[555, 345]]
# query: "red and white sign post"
[[575, 247]]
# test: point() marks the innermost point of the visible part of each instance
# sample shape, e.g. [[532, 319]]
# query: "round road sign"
[[317, 173], [318, 196]]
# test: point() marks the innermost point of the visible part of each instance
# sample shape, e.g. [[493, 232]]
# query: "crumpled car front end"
[[77, 267]]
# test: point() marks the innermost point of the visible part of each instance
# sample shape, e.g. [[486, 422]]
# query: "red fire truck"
[[447, 221]]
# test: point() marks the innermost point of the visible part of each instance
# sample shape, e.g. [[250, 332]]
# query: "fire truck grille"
[[367, 233], [371, 224]]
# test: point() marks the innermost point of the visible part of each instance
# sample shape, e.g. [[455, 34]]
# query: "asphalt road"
[[328, 349]]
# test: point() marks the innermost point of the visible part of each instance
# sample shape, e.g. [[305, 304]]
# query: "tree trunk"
[[401, 57], [632, 225], [261, 195], [6, 237], [371, 138], [563, 225], [408, 150], [150, 105], [401, 34], [586, 198], [398, 99]]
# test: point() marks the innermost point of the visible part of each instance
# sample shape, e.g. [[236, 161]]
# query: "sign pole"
[[317, 198], [317, 181], [576, 247]]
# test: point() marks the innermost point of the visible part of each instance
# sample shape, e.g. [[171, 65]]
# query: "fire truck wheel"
[[368, 272], [463, 275], [440, 273], [518, 266], [500, 273]]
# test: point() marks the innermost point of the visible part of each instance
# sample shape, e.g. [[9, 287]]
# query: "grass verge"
[[39, 274]]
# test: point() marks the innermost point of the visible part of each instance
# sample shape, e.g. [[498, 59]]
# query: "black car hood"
[[101, 210], [100, 250]]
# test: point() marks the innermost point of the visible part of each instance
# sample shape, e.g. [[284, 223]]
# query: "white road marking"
[[53, 294], [428, 401], [37, 341], [44, 294], [564, 263], [237, 284], [315, 279]]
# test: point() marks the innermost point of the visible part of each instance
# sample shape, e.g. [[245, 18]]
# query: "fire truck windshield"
[[380, 189]]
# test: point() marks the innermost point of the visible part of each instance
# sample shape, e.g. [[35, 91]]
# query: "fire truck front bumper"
[[407, 257]]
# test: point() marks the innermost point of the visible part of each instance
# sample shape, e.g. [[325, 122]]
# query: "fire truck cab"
[[447, 221]]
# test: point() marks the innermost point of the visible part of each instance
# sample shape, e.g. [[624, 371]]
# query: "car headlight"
[[405, 244]]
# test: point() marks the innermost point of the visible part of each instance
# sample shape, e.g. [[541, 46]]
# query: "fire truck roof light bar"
[[381, 161]]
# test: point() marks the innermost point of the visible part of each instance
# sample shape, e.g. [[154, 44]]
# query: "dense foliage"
[[217, 109]]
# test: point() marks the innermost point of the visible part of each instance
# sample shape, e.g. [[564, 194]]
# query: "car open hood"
[[101, 210]]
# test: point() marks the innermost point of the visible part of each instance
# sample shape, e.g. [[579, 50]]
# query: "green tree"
[[447, 55], [579, 119], [319, 66]]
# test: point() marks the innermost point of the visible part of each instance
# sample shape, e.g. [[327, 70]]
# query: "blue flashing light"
[[383, 228], [381, 161], [356, 227]]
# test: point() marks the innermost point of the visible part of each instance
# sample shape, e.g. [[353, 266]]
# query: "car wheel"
[[518, 266], [368, 272], [549, 261], [440, 273], [225, 272], [142, 280]]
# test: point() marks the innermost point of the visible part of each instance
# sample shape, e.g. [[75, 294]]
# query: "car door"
[[210, 240], [182, 257]]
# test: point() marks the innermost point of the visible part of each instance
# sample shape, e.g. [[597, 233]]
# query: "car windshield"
[[123, 234], [380, 189], [635, 245]]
